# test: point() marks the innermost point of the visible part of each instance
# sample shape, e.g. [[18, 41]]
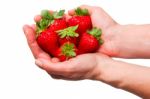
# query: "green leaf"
[[42, 25], [58, 15], [46, 15], [81, 12], [68, 50], [68, 32], [97, 34]]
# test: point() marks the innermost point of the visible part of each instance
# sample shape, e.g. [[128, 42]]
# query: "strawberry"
[[66, 51], [46, 38], [90, 41], [50, 21], [82, 19], [68, 35], [59, 22], [45, 22]]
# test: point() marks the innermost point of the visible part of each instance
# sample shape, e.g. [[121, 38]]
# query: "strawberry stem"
[[68, 32], [81, 12], [59, 14]]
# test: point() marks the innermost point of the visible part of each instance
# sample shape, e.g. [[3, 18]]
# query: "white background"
[[21, 79]]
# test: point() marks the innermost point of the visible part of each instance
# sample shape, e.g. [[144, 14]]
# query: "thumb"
[[101, 19]]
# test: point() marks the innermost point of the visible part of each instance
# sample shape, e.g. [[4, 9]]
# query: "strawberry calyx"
[[44, 23], [96, 33], [46, 15], [59, 14], [68, 32], [68, 50], [47, 20], [81, 12]]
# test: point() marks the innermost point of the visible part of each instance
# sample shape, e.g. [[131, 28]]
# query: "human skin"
[[126, 41]]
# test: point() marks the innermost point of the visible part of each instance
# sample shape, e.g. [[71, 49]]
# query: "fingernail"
[[38, 62]]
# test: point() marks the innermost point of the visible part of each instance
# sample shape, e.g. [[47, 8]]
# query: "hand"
[[102, 20], [120, 40], [80, 68], [85, 66]]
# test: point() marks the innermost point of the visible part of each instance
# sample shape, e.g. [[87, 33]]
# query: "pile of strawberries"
[[66, 39]]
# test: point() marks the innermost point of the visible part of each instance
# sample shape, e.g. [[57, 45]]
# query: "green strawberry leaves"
[[46, 15], [58, 15], [68, 32], [42, 25], [97, 34], [47, 20], [81, 12], [68, 49]]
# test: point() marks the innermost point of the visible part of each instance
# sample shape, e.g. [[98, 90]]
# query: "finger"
[[37, 18], [55, 76], [67, 17], [58, 77], [71, 12], [36, 50], [59, 68], [55, 60]]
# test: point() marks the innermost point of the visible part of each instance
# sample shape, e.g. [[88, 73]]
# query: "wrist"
[[126, 40], [103, 63], [110, 72]]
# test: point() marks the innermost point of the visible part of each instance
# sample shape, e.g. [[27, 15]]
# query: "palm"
[[79, 68]]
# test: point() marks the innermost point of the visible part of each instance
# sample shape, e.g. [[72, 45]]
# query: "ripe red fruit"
[[50, 21], [68, 35], [48, 38], [90, 41], [66, 51], [58, 24], [82, 19], [57, 39], [48, 41]]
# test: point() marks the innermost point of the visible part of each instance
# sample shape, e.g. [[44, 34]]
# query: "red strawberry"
[[66, 51], [46, 38], [90, 41], [48, 41], [82, 19], [68, 35], [50, 21], [58, 24]]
